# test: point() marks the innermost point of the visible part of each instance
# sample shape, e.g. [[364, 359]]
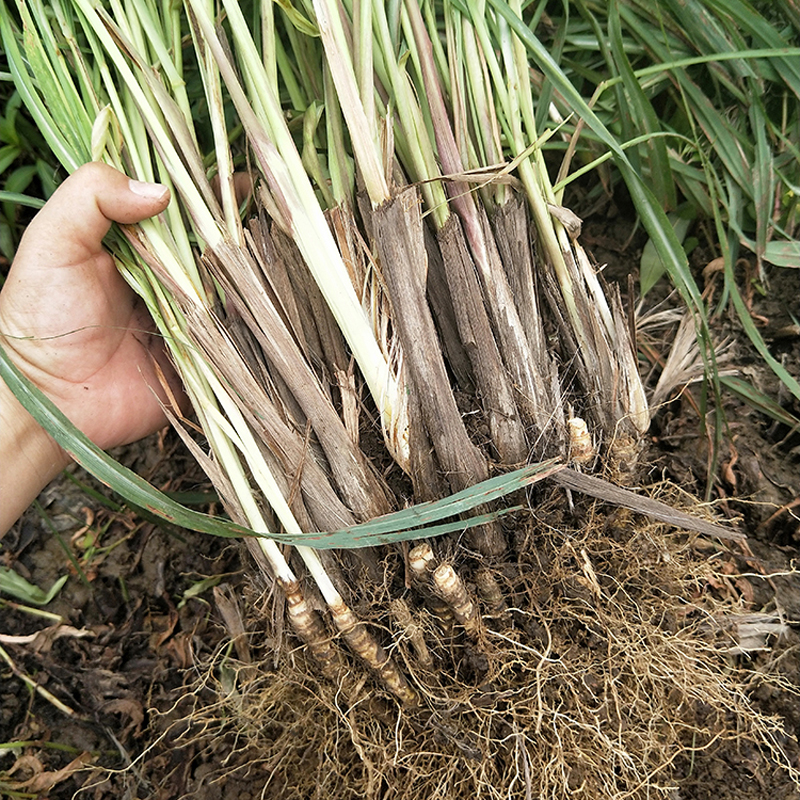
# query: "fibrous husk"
[[400, 248]]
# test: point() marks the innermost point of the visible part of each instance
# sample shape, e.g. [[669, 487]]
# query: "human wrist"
[[29, 458]]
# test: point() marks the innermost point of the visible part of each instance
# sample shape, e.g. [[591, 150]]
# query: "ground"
[[142, 610]]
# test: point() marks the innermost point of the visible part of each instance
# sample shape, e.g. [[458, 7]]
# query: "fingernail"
[[152, 191]]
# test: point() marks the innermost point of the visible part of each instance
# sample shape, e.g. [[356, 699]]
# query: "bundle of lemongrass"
[[388, 281], [263, 319], [266, 320]]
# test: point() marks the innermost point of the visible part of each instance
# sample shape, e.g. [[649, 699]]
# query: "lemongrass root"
[[582, 449], [490, 592], [308, 626], [449, 586], [364, 644], [411, 630], [421, 564]]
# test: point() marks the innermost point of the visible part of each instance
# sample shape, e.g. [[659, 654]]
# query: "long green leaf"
[[753, 24], [763, 178], [641, 110], [759, 401], [397, 527], [754, 334], [21, 199], [110, 472]]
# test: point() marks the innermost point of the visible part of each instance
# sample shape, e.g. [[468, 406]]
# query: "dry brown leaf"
[[42, 640], [43, 781]]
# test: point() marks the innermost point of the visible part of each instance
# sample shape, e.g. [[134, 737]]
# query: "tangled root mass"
[[583, 666]]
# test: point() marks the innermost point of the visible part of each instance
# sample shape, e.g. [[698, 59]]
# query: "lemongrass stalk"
[[134, 134], [212, 84], [286, 68], [264, 101], [168, 58], [238, 432], [422, 158], [439, 55], [233, 428], [339, 162], [619, 352], [169, 237], [269, 40], [483, 107], [468, 110], [281, 163], [311, 159], [206, 391], [517, 56], [204, 219], [521, 106], [223, 449], [86, 73], [457, 91], [510, 118], [365, 77], [226, 433], [128, 24], [362, 130], [55, 66], [176, 126], [174, 30], [181, 266]]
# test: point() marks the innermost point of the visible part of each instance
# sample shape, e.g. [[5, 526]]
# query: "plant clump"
[[385, 347]]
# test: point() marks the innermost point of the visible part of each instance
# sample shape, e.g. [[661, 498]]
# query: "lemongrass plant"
[[107, 83], [197, 268], [119, 94], [335, 302]]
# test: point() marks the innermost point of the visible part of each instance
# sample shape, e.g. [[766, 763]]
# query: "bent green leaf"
[[409, 523], [12, 583]]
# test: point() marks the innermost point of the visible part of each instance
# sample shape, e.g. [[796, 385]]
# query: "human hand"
[[71, 323]]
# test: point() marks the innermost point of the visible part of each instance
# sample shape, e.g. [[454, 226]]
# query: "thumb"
[[71, 226]]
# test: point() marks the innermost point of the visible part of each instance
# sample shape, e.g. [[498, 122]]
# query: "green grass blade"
[[783, 254], [641, 110], [21, 199], [751, 23], [12, 583], [651, 267], [759, 401], [460, 502], [28, 88], [754, 334], [763, 178], [400, 526]]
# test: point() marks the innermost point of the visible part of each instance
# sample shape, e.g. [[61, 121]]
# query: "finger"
[[71, 226]]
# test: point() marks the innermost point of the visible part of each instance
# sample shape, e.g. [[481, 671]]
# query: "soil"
[[136, 668]]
